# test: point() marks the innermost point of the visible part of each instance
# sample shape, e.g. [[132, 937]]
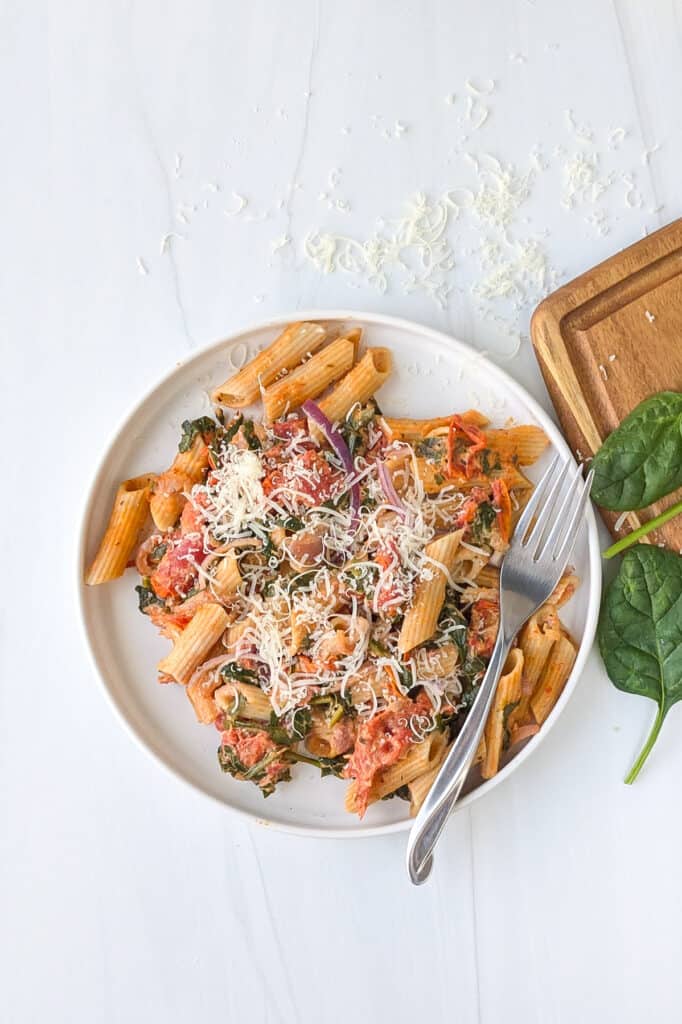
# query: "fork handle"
[[445, 790]]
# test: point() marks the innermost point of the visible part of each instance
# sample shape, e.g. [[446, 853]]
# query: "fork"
[[532, 566]]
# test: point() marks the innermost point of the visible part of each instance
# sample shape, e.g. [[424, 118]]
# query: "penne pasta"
[[227, 578], [416, 430], [419, 787], [294, 343], [434, 477], [359, 385], [564, 590], [325, 740], [420, 758], [201, 693], [536, 640], [311, 378], [553, 678], [507, 695], [246, 699], [194, 643], [170, 491], [128, 515], [437, 662], [421, 618], [488, 577], [523, 444]]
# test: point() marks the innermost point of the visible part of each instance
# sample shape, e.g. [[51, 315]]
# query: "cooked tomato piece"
[[381, 741], [290, 428], [502, 503], [313, 480], [257, 753], [177, 573], [467, 511], [191, 520], [485, 618], [465, 443]]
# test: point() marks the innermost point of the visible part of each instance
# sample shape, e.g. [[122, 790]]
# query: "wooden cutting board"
[[607, 340]]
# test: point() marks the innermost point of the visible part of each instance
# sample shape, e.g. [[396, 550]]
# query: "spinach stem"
[[641, 531], [646, 749], [303, 758]]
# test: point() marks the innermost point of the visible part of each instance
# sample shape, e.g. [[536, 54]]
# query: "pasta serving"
[[327, 574]]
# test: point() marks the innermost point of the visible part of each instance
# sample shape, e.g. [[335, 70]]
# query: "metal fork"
[[532, 567]]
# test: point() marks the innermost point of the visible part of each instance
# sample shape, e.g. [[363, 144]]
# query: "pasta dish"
[[327, 573]]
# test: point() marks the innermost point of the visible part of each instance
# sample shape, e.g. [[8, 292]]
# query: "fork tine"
[[564, 552], [536, 497], [539, 532], [556, 530]]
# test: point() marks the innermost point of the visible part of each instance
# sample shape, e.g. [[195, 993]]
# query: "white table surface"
[[124, 896]]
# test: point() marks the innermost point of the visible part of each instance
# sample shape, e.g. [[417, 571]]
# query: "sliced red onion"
[[340, 447], [389, 490]]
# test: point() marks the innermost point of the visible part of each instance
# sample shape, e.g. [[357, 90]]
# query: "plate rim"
[[440, 338]]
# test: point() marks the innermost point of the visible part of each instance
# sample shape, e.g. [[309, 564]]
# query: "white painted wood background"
[[123, 896]]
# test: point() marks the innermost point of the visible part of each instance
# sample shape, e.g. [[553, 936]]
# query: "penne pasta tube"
[[171, 488], [285, 352], [194, 643], [246, 699], [536, 640], [564, 590], [553, 678], [508, 693], [370, 682], [488, 577], [358, 385], [437, 663], [420, 758], [325, 740], [419, 787], [467, 566], [128, 515], [311, 378], [434, 477], [416, 430], [525, 444], [421, 618], [201, 693], [227, 578]]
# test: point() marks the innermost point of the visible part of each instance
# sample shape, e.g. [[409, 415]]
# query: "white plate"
[[434, 375]]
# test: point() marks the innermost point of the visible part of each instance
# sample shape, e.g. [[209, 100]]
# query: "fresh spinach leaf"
[[190, 429], [640, 632], [641, 461]]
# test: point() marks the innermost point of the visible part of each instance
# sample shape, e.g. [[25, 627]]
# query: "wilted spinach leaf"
[[640, 632], [146, 597], [234, 671], [190, 429]]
